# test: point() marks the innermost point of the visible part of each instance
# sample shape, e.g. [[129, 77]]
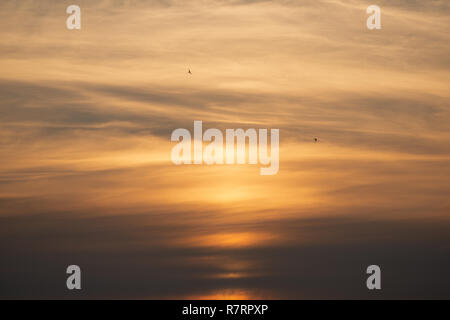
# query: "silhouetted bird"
[[316, 139], [189, 71]]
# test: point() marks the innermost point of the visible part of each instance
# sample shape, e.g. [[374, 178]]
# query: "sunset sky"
[[86, 176]]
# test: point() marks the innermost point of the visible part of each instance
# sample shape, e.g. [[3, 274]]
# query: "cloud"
[[133, 256], [86, 176]]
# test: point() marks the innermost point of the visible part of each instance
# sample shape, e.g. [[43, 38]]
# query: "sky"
[[86, 176]]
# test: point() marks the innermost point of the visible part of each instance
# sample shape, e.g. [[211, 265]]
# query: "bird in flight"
[[189, 71], [316, 139]]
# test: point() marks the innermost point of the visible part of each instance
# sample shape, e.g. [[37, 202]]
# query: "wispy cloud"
[[85, 123]]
